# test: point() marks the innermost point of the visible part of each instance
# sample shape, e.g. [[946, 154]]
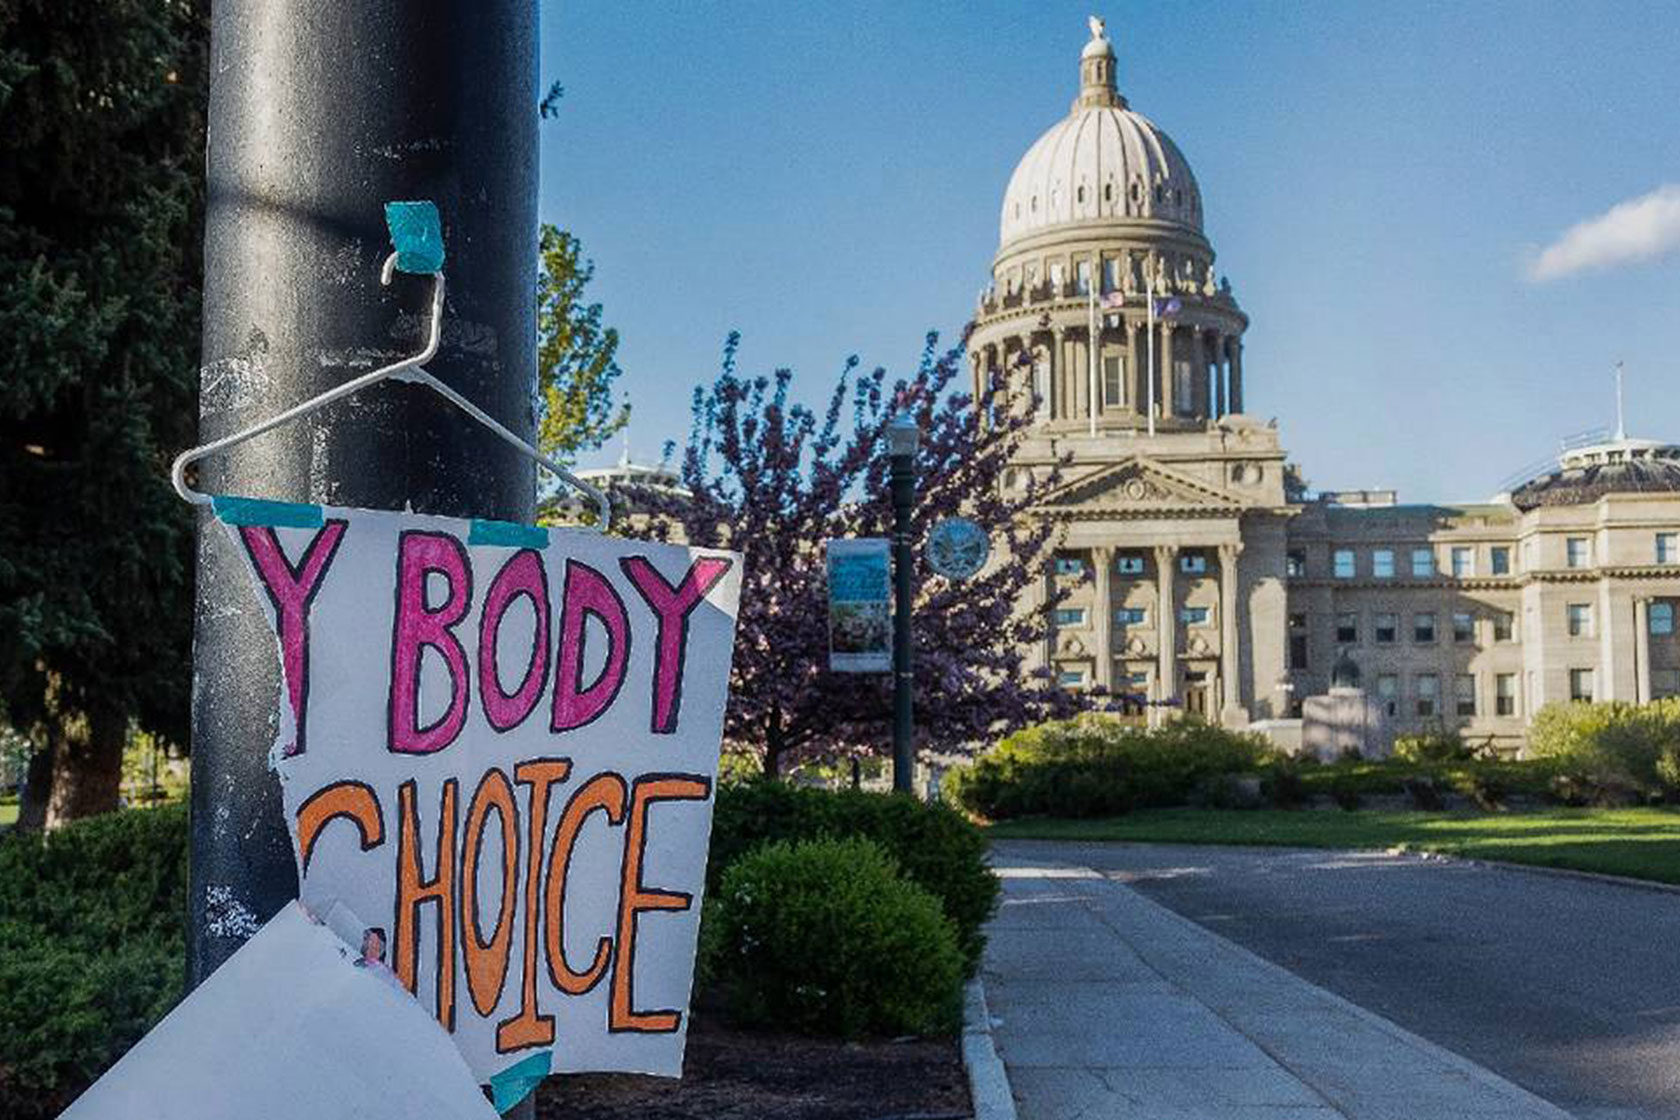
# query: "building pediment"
[[1138, 485]]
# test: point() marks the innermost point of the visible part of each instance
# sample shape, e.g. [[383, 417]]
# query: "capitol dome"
[[1101, 163]]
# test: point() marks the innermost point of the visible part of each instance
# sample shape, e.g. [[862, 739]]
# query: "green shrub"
[[1345, 794], [934, 845], [1433, 746], [1611, 749], [826, 937], [1425, 794], [92, 943], [1284, 786], [1097, 766]]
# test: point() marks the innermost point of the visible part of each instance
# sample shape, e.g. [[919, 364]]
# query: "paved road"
[[1567, 987]]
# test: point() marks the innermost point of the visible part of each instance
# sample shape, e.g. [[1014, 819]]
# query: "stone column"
[[1103, 558], [1236, 392], [1642, 651], [1218, 375], [1230, 650], [1166, 356], [1198, 373], [1166, 627], [1136, 391]]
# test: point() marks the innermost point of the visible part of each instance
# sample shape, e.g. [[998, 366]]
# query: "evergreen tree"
[[101, 207]]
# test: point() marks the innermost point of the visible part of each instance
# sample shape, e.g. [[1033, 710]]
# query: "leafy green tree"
[[577, 356], [101, 205]]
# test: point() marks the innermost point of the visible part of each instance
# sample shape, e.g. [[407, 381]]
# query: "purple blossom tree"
[[775, 479]]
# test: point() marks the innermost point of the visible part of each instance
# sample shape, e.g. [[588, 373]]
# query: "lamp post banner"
[[860, 601], [498, 745]]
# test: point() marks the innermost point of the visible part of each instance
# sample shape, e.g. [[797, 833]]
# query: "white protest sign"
[[498, 744], [293, 1024]]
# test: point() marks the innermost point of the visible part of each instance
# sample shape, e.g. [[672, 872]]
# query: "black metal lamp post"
[[903, 437]]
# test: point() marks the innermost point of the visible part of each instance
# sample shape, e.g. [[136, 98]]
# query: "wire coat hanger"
[[416, 231]]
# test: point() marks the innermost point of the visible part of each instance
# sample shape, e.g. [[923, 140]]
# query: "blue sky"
[[1378, 181]]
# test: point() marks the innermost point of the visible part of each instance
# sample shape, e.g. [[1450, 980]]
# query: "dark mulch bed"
[[743, 1075]]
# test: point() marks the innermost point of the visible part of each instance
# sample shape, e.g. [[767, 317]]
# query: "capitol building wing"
[[1199, 576]]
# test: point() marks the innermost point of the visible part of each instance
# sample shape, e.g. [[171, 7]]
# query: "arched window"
[[1108, 192], [1081, 195]]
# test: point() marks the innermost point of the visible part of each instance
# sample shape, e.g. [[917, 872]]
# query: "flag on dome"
[[1168, 306], [1114, 299]]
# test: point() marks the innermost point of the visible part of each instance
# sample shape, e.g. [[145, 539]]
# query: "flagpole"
[[1149, 373], [1091, 352]]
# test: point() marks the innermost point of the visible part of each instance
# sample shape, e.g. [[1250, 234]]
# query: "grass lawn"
[[1640, 843], [8, 811]]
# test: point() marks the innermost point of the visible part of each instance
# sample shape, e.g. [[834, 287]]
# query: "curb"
[[988, 1081], [1400, 1034], [1556, 872]]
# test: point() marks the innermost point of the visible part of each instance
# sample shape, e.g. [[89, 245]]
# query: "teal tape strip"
[[416, 234], [259, 511], [508, 533], [515, 1083]]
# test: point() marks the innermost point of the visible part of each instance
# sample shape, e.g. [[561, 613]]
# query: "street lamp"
[[903, 437]]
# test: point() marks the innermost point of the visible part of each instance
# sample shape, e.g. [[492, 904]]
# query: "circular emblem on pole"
[[957, 548]]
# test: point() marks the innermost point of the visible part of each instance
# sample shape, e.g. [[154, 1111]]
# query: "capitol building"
[[1199, 575]]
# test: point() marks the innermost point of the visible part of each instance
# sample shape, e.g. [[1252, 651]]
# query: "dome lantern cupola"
[[1097, 86]]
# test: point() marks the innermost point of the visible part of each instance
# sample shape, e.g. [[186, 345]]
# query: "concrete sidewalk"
[[1107, 1005]]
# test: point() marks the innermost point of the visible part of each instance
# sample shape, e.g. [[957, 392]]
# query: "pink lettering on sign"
[[588, 593], [418, 627], [292, 591], [673, 605], [522, 575]]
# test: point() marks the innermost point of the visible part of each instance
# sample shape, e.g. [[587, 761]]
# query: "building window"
[[1503, 621], [1464, 694], [1580, 617], [1344, 563], [1297, 651], [1505, 694], [1071, 678], [1464, 626], [1056, 279], [1577, 552], [1070, 566], [1114, 380], [1082, 274], [1499, 560], [1423, 563], [1382, 563], [1387, 629], [1193, 616], [1388, 693], [1662, 618], [1111, 265], [1665, 683], [1130, 616], [1463, 562], [1193, 563], [1070, 616], [1581, 685], [1423, 627], [1129, 563], [1347, 629], [1295, 564], [1428, 693], [1041, 380], [1668, 548], [1183, 399]]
